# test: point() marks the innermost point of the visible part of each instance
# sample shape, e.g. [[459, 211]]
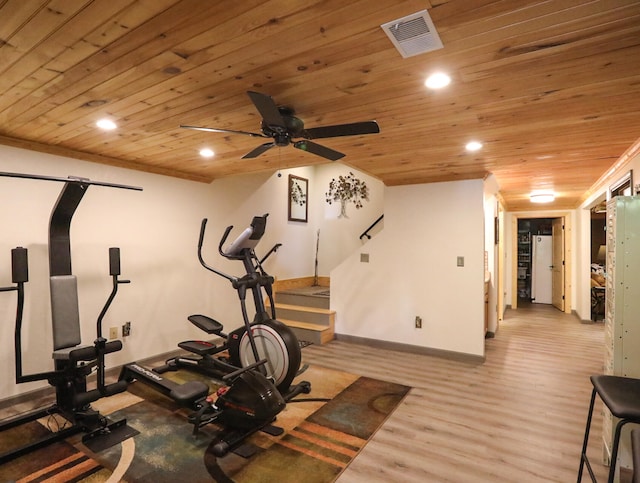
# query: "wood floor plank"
[[517, 417]]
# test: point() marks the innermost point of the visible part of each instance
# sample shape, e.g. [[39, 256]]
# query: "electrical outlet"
[[126, 329], [418, 322], [113, 333]]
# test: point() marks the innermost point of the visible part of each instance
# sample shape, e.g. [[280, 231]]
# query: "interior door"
[[558, 267]]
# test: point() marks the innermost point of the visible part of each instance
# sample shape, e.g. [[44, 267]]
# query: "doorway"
[[535, 260], [526, 229], [597, 260]]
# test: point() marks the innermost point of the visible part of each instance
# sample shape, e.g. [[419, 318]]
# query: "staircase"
[[306, 310]]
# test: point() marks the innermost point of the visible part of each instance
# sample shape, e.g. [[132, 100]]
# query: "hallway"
[[517, 417]]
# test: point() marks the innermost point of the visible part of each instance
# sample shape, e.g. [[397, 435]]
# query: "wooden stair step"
[[316, 333], [302, 308], [305, 299], [302, 313], [305, 325]]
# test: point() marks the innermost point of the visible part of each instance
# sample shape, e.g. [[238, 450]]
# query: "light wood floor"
[[518, 417]]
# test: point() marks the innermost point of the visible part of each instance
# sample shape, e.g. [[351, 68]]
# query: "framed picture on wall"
[[298, 198]]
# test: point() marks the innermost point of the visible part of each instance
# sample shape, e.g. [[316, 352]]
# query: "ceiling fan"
[[280, 124]]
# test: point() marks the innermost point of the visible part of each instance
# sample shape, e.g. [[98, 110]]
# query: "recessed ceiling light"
[[473, 146], [106, 124], [206, 153], [542, 197], [437, 80]]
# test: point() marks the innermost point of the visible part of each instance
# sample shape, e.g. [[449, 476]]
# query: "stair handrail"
[[366, 232]]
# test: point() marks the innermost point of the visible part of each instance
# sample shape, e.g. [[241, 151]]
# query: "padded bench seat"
[[85, 352]]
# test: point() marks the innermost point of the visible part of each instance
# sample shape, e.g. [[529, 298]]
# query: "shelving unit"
[[524, 265]]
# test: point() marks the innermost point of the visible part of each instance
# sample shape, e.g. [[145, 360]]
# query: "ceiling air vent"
[[414, 34]]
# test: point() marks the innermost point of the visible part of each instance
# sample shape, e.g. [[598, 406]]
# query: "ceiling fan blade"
[[259, 150], [318, 150], [267, 109], [353, 129], [213, 129]]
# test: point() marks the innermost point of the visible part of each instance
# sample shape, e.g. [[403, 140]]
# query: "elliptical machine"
[[263, 338], [261, 354]]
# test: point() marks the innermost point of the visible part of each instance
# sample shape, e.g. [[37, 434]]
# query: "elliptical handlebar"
[[240, 249], [224, 239], [203, 227]]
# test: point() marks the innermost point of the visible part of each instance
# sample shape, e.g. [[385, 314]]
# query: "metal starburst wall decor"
[[347, 189]]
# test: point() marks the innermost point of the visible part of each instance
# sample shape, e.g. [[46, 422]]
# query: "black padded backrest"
[[65, 314]]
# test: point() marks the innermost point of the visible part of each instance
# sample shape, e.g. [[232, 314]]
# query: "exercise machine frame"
[[73, 362], [263, 338]]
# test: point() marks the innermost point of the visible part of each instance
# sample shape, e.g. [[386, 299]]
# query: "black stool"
[[622, 396]]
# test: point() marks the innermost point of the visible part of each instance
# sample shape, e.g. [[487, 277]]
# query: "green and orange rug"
[[320, 439]]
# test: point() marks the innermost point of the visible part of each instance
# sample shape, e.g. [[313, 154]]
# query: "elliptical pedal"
[[199, 347]]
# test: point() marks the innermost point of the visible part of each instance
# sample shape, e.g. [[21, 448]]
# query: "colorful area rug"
[[320, 439]]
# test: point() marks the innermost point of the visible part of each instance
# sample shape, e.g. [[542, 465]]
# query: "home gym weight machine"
[[263, 338], [250, 402], [73, 362]]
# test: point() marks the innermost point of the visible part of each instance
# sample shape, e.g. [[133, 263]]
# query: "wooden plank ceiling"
[[552, 88]]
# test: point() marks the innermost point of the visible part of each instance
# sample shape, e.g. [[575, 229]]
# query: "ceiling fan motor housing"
[[293, 128], [282, 139]]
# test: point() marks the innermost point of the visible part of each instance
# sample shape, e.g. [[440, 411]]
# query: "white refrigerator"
[[541, 269]]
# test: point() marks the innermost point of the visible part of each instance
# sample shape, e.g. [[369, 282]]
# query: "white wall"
[[426, 228], [582, 300], [237, 199], [157, 231], [491, 189], [339, 237]]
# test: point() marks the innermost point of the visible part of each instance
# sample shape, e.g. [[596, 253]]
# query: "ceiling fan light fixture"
[[542, 197], [437, 80]]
